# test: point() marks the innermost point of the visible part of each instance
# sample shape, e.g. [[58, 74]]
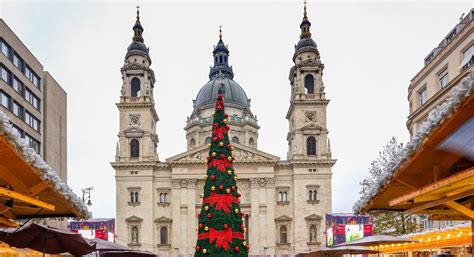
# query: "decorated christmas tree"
[[220, 227]]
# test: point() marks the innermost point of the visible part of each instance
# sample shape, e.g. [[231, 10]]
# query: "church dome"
[[234, 93], [306, 42]]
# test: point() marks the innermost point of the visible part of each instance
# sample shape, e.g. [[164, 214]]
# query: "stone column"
[[270, 192], [254, 230], [175, 212], [192, 223]]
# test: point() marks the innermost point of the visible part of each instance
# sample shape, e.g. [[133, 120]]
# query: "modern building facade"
[[33, 100], [284, 201], [444, 67]]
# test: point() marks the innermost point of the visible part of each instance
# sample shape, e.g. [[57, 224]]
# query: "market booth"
[[29, 188], [434, 173]]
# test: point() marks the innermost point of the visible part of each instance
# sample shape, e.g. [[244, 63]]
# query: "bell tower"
[[137, 136], [307, 137]]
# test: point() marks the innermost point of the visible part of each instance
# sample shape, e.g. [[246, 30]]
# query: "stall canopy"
[[29, 188]]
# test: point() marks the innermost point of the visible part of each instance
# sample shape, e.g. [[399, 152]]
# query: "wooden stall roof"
[[24, 193], [430, 164]]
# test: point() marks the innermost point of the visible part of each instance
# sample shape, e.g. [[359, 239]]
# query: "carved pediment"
[[134, 66], [133, 131], [133, 218], [313, 217], [241, 153], [312, 126], [283, 218], [163, 219]]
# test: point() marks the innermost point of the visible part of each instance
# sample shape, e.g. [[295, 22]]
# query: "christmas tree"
[[220, 227]]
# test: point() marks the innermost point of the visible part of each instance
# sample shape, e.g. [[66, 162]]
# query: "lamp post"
[[87, 191]]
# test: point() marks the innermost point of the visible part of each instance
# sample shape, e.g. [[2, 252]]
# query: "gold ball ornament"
[[235, 177], [236, 210], [204, 250], [212, 114], [213, 154], [213, 188], [229, 172], [205, 176], [206, 228], [206, 208], [229, 158], [197, 228], [225, 121], [201, 195], [244, 243], [227, 190], [232, 148], [221, 143], [209, 145]]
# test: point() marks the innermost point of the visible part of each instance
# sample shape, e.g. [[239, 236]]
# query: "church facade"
[[284, 201]]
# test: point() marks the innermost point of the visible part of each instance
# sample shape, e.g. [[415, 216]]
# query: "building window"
[[134, 197], [283, 197], [164, 198], [313, 234], [134, 235], [283, 235], [220, 58], [443, 78], [32, 99], [5, 74], [32, 76], [309, 84], [4, 100], [312, 195], [16, 109], [468, 58], [311, 146], [134, 148], [17, 61], [5, 49], [207, 141], [32, 121], [33, 143], [422, 96], [451, 36], [17, 86], [251, 141], [135, 87], [164, 235], [192, 142], [235, 140]]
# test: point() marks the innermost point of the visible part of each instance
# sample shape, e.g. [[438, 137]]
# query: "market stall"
[[434, 173]]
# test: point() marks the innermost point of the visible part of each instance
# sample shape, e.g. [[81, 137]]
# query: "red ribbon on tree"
[[222, 238], [219, 132], [220, 164], [221, 201]]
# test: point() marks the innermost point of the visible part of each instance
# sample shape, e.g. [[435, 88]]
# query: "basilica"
[[284, 201]]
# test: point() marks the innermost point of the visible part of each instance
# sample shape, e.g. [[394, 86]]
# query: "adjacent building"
[[444, 67], [33, 100], [284, 201]]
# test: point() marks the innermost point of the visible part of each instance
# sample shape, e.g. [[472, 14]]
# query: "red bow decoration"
[[221, 201], [222, 238], [219, 132], [220, 164]]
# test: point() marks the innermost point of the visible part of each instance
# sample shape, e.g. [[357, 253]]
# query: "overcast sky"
[[371, 50]]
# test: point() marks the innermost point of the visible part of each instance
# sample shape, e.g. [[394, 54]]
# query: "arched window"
[[310, 195], [220, 59], [164, 235], [207, 141], [283, 235], [134, 148], [134, 235], [167, 198], [162, 198], [251, 141], [192, 143], [309, 84], [313, 234], [280, 196], [135, 88], [311, 146], [235, 140]]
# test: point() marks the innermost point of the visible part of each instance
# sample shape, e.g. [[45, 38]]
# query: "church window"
[[312, 195], [251, 141], [220, 59], [164, 198], [192, 142], [311, 146], [313, 232], [134, 197], [283, 235], [309, 84], [235, 140], [135, 87], [283, 196], [164, 235], [134, 148], [207, 141], [216, 58]]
